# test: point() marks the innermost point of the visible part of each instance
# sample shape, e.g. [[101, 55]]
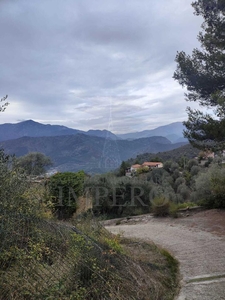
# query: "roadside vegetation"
[[45, 257]]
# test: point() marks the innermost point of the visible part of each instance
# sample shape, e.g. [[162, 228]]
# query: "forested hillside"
[[89, 153]]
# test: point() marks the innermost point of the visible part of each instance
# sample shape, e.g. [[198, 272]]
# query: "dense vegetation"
[[184, 152], [42, 258], [180, 183]]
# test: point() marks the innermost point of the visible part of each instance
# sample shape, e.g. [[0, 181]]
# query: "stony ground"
[[197, 241]]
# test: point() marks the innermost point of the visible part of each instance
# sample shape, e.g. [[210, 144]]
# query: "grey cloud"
[[63, 61]]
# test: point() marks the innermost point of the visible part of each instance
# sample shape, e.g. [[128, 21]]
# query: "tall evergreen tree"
[[203, 74], [123, 168]]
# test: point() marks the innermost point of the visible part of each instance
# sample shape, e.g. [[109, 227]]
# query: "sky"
[[95, 64]]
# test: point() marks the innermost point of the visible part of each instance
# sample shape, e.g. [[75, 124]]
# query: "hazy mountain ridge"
[[173, 131], [93, 151], [80, 151], [9, 131]]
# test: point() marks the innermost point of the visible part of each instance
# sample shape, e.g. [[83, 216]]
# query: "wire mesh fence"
[[44, 259]]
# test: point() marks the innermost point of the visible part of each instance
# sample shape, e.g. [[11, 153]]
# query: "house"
[[134, 168], [152, 164], [209, 154], [205, 155]]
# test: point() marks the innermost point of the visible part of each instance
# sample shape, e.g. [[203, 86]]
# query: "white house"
[[134, 168]]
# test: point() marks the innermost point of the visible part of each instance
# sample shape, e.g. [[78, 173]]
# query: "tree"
[[123, 167], [155, 159], [203, 74], [210, 187], [64, 189], [33, 163]]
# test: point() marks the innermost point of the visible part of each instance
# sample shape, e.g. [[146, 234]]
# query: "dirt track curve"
[[198, 243]]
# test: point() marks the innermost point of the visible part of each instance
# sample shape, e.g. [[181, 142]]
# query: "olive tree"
[[33, 163]]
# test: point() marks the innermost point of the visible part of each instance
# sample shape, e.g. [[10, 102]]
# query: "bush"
[[173, 208], [185, 205], [210, 187], [218, 188], [160, 206], [14, 191]]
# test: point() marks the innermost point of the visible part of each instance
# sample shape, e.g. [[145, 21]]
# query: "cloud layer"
[[94, 64]]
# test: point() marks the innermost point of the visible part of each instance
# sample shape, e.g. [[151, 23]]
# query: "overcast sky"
[[75, 62]]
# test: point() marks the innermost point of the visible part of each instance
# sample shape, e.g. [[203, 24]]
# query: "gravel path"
[[200, 250]]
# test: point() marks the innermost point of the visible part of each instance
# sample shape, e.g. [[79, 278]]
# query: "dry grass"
[[155, 270], [84, 262]]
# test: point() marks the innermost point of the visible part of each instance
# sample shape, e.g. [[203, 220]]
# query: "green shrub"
[[185, 205], [210, 187], [114, 243], [173, 208], [160, 206], [64, 189]]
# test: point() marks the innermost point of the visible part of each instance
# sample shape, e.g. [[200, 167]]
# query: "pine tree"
[[203, 74]]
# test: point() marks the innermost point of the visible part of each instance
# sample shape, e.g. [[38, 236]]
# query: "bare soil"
[[209, 220]]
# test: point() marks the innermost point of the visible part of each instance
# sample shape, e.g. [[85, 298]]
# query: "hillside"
[[185, 150], [89, 153]]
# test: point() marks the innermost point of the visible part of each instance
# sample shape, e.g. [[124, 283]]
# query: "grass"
[[185, 205], [172, 263]]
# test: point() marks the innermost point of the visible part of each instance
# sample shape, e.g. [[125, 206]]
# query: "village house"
[[204, 156], [134, 168], [150, 165]]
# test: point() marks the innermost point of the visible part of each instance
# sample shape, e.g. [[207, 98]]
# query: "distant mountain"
[[8, 131], [83, 152], [173, 132], [102, 133], [31, 128]]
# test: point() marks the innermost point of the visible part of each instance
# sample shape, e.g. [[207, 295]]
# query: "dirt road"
[[198, 242]]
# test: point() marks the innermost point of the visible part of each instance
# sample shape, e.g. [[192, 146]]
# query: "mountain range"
[[94, 151], [31, 128], [173, 132], [8, 131]]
